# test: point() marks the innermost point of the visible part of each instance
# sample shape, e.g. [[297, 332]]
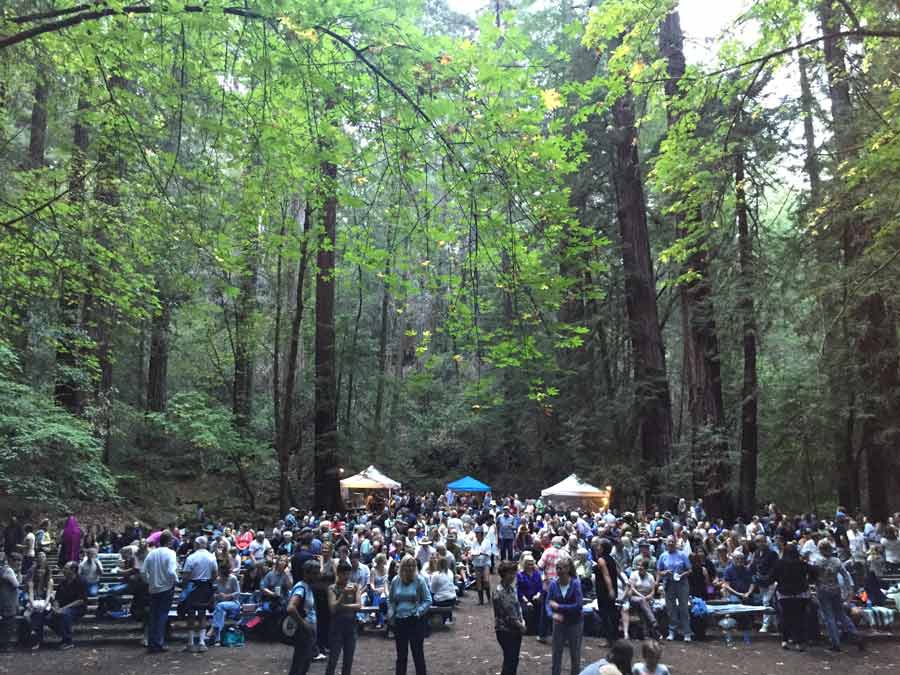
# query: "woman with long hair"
[[378, 587], [408, 601], [523, 541], [606, 575], [40, 591]]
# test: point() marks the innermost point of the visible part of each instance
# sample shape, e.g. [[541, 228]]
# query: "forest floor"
[[467, 647]]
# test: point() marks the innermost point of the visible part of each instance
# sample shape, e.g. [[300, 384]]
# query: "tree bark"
[[110, 170], [69, 383], [652, 402], [286, 437], [872, 346], [382, 364], [37, 142], [327, 492], [749, 388], [702, 370], [244, 309], [158, 366]]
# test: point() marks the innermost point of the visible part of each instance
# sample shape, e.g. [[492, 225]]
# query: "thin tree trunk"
[[382, 365], [652, 402], [69, 386], [327, 492], [709, 449], [245, 307], [37, 142], [749, 388], [353, 346], [286, 437], [813, 170], [110, 171], [158, 366]]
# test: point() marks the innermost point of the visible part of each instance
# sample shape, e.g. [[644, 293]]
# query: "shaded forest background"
[[243, 246]]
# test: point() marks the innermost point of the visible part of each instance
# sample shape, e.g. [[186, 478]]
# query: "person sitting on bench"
[[69, 604]]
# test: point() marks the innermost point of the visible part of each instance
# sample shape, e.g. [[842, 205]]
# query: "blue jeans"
[[63, 621], [220, 612], [832, 607], [160, 604], [678, 607]]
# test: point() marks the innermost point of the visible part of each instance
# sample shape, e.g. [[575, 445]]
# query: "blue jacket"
[[570, 605]]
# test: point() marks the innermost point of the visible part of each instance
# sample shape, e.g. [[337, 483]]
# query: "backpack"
[[232, 637]]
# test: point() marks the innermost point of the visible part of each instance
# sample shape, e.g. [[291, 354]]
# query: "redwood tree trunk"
[[749, 388], [327, 494], [701, 361], [285, 440], [652, 402], [69, 385], [873, 349], [158, 367]]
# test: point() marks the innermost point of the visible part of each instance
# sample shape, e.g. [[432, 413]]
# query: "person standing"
[[344, 599], [408, 601], [672, 569], [791, 583], [508, 621], [565, 603], [197, 576], [606, 584], [506, 526], [70, 551], [530, 590], [480, 557], [302, 608], [829, 571], [9, 604], [13, 536], [160, 572], [762, 564]]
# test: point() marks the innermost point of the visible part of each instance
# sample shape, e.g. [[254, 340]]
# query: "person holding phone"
[[344, 601]]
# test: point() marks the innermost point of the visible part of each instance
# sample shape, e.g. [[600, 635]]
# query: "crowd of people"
[[313, 578]]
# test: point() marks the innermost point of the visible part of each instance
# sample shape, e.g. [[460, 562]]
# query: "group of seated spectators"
[[621, 561]]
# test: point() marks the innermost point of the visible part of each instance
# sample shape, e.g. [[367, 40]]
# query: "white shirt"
[[442, 586], [258, 549], [891, 550], [200, 565], [160, 569], [28, 552]]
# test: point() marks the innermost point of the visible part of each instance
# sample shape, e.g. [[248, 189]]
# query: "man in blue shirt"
[[672, 569], [738, 579], [506, 527]]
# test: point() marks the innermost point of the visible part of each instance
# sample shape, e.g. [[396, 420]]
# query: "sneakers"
[[764, 629], [688, 638], [202, 647], [785, 645], [670, 637], [320, 657], [67, 645]]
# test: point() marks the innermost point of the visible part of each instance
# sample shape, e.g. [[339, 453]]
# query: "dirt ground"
[[468, 647]]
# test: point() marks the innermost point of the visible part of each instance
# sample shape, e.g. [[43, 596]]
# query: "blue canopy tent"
[[468, 484]]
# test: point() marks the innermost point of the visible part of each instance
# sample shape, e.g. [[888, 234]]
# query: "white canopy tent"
[[368, 479], [575, 489]]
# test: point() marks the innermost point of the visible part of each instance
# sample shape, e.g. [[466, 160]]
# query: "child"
[[651, 650]]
